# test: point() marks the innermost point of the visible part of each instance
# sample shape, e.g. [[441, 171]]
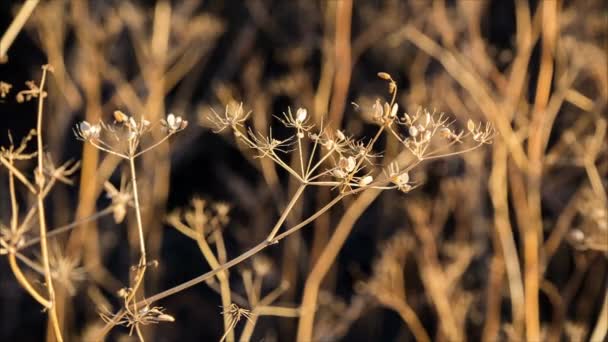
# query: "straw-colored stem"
[[286, 212], [44, 251], [140, 228], [11, 32], [12, 260]]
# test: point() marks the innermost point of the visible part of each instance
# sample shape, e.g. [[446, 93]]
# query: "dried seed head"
[[173, 123], [445, 132], [87, 131], [347, 164], [394, 110], [470, 125], [340, 135], [413, 131], [427, 135], [301, 115], [377, 111], [367, 180], [385, 76], [120, 117]]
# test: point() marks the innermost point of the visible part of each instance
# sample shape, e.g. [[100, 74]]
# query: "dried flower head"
[[235, 313], [401, 179], [135, 317], [173, 123], [234, 116], [267, 145], [5, 88], [9, 240], [86, 131], [32, 92], [297, 121], [65, 269], [121, 199]]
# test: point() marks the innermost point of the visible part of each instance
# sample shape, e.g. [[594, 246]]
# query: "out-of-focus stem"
[[11, 32]]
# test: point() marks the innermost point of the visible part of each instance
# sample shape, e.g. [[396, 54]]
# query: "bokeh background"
[[456, 258]]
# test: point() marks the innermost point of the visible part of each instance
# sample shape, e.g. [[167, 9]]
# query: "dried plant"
[[499, 212]]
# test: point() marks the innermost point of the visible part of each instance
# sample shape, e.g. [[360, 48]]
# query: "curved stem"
[[12, 260]]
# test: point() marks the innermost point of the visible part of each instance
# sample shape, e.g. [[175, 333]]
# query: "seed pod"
[[120, 117], [384, 76], [470, 125]]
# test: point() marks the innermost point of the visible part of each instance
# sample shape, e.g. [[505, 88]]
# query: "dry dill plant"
[[349, 163], [123, 138], [46, 175]]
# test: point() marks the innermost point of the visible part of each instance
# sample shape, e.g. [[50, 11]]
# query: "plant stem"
[[140, 229], [12, 260], [11, 32], [286, 212], [41, 218]]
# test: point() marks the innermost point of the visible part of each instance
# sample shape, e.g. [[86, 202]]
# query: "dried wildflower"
[[63, 172], [481, 134], [297, 121], [234, 117], [347, 164], [301, 115], [345, 167], [470, 125], [86, 131], [377, 111], [5, 88], [33, 91], [363, 151], [65, 269], [333, 140], [9, 241], [399, 178], [235, 313], [135, 317], [413, 131], [120, 117], [394, 110], [267, 145], [120, 199], [384, 114], [173, 123], [365, 181], [13, 153]]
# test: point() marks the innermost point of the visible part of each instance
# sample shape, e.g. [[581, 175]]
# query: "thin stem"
[[300, 153], [108, 150], [140, 229], [18, 174], [41, 218], [149, 148], [12, 260], [246, 255], [320, 162], [11, 32], [286, 212], [311, 156], [14, 204], [67, 227], [222, 277], [432, 156]]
